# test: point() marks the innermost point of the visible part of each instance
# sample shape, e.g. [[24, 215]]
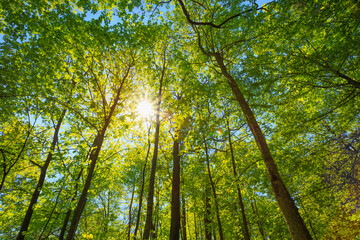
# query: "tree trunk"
[[214, 193], [196, 230], [258, 221], [97, 144], [175, 191], [94, 154], [52, 210], [294, 222], [207, 215], [7, 171], [68, 213], [150, 198], [157, 217], [183, 222], [35, 196], [142, 188], [245, 228], [130, 209]]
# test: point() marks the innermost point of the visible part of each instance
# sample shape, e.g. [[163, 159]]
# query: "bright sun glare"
[[145, 109]]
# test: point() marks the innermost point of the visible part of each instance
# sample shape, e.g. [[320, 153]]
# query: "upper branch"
[[187, 15]]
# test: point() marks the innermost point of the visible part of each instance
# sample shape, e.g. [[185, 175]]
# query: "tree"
[[242, 99], [288, 208]]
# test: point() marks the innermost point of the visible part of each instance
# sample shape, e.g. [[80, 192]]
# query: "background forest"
[[253, 134]]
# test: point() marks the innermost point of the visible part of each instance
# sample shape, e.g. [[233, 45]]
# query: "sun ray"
[[145, 109]]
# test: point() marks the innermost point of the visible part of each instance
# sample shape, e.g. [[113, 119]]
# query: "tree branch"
[[187, 15]]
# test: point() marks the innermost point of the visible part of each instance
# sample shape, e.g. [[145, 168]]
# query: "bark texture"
[[175, 192], [294, 221], [207, 215]]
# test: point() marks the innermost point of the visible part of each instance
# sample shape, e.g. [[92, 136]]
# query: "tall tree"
[[95, 150], [294, 221], [150, 199]]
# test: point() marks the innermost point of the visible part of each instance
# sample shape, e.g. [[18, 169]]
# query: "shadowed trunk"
[[196, 229], [258, 221], [245, 228], [183, 220], [35, 196], [142, 188], [68, 213], [207, 215], [214, 193], [175, 191], [293, 219], [130, 213], [6, 170], [94, 154], [150, 199], [294, 222], [52, 211]]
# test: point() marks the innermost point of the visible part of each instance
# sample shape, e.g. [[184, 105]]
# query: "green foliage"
[[297, 63]]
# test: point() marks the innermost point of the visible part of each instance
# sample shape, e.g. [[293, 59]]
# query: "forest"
[[180, 119]]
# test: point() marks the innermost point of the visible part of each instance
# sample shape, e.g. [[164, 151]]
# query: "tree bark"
[[130, 209], [195, 226], [183, 222], [245, 228], [150, 198], [52, 211], [142, 188], [207, 217], [214, 193], [94, 154], [175, 191], [35, 196], [261, 229], [7, 171], [68, 213], [294, 221]]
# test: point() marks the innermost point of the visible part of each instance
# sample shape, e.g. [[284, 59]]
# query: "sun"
[[145, 109]]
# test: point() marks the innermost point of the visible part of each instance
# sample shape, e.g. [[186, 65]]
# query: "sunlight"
[[145, 109]]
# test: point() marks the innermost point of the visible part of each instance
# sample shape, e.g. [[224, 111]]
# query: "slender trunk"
[[183, 222], [4, 171], [294, 222], [214, 193], [196, 231], [97, 144], [94, 154], [245, 228], [175, 192], [309, 218], [35, 196], [142, 187], [261, 229], [141, 193], [52, 210], [150, 198], [130, 209], [157, 218], [3, 176], [7, 171], [207, 215], [68, 213], [64, 226]]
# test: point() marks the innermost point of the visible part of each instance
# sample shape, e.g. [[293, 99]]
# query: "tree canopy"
[[179, 119]]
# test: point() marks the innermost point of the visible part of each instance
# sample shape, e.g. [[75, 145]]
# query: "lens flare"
[[145, 109]]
